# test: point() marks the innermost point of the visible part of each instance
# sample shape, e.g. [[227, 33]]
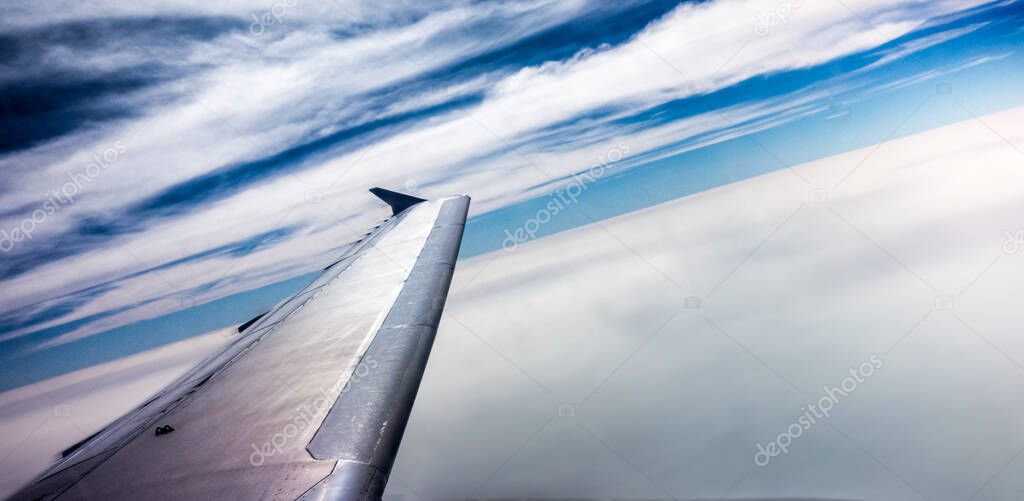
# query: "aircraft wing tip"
[[398, 201]]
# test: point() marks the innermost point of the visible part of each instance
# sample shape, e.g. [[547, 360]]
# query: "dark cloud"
[[51, 310], [611, 23], [69, 303], [52, 85], [34, 111], [233, 178], [22, 48]]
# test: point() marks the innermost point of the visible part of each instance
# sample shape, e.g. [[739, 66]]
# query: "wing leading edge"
[[310, 402]]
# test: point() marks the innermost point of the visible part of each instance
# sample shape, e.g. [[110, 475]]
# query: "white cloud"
[[801, 297], [302, 81]]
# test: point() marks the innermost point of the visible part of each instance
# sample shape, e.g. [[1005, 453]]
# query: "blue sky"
[[247, 148]]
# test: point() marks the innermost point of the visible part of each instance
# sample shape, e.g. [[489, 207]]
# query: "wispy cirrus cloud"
[[232, 134]]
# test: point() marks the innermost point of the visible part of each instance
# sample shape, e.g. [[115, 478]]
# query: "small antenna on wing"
[[398, 201]]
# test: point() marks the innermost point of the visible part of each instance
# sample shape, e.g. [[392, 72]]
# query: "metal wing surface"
[[310, 401]]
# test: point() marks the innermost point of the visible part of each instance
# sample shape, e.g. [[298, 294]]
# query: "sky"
[[174, 167], [735, 200], [890, 306], [651, 355]]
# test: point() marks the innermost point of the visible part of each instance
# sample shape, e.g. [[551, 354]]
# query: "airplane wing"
[[310, 401]]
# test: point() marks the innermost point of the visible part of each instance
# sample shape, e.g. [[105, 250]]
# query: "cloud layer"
[[246, 133], [722, 315]]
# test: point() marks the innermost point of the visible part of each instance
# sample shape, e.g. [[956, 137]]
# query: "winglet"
[[398, 201]]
